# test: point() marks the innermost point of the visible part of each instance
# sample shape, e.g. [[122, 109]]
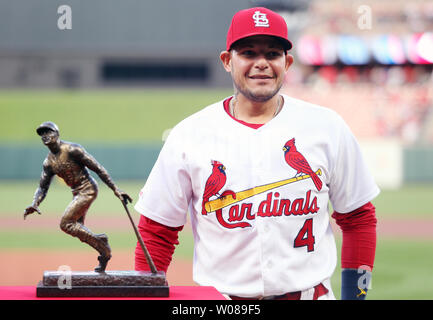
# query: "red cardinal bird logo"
[[214, 183], [298, 162]]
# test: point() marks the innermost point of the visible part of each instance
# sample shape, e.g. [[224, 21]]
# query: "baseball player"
[[256, 171]]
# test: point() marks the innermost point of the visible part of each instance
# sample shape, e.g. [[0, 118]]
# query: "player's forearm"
[[160, 241], [357, 260], [358, 250], [161, 257]]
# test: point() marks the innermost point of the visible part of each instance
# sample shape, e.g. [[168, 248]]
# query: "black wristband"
[[354, 284]]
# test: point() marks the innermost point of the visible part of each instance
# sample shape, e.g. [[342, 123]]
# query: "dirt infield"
[[26, 267]]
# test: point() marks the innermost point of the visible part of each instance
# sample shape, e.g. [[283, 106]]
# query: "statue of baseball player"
[[70, 161], [256, 172]]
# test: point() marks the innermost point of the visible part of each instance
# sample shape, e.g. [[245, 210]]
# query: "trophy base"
[[105, 284]]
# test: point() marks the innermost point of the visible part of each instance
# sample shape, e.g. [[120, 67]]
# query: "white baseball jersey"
[[258, 198]]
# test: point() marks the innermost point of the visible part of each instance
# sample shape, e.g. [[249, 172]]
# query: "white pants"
[[308, 294]]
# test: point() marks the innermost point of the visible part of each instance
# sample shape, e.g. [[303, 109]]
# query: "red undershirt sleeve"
[[160, 241], [359, 236]]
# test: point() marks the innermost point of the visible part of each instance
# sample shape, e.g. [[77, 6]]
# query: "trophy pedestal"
[[105, 284]]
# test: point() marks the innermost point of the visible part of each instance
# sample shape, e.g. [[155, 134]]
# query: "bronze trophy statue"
[[70, 161]]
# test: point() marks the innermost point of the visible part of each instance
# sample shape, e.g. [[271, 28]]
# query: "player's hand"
[[123, 196], [30, 210]]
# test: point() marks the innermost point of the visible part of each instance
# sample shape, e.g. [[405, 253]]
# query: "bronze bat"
[[140, 240]]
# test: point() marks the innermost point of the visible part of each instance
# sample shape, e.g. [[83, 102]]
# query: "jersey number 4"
[[305, 236]]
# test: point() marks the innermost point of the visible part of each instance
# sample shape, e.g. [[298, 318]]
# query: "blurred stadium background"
[[126, 72]]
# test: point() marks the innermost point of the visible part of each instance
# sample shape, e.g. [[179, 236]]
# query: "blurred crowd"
[[376, 101], [396, 16], [373, 63]]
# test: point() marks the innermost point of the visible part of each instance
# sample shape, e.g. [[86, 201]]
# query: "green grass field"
[[105, 116], [402, 270], [403, 265]]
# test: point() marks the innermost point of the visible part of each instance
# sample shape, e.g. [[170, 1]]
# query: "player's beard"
[[257, 95]]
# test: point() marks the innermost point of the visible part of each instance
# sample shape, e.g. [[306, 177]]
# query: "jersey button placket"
[[257, 158], [267, 243], [261, 236]]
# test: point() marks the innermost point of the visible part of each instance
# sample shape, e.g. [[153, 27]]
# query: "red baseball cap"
[[257, 21]]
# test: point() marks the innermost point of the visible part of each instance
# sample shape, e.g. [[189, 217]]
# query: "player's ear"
[[225, 58], [289, 61]]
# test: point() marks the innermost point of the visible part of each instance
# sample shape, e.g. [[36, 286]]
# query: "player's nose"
[[261, 62]]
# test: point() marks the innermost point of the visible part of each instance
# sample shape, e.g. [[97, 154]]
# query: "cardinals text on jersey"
[[272, 206]]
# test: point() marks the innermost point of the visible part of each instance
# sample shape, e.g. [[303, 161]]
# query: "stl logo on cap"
[[257, 21], [260, 19]]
